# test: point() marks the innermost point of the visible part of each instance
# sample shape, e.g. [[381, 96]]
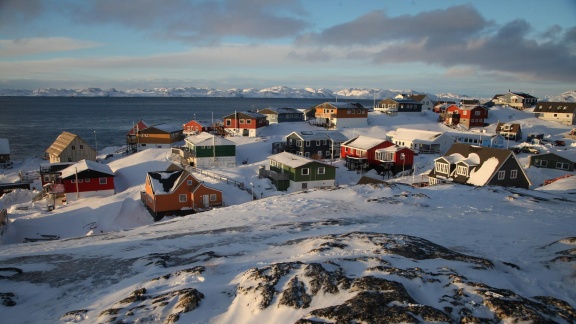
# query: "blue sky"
[[477, 48]]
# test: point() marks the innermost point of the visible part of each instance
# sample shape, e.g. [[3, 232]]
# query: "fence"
[[222, 178]]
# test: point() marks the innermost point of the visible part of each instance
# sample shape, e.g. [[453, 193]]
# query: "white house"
[[421, 141], [479, 138]]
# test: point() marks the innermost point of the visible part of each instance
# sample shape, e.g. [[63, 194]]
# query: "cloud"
[[194, 21], [30, 46], [12, 11]]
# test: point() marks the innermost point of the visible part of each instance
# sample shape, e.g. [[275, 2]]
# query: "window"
[[562, 166], [228, 122], [248, 121], [305, 171], [464, 113], [103, 181], [477, 113], [299, 143], [304, 185], [307, 143], [307, 154], [462, 170], [189, 182], [323, 142], [80, 180], [321, 170], [182, 197], [87, 180], [241, 121], [501, 175], [69, 159], [73, 147], [212, 197], [272, 163], [73, 181], [46, 178], [317, 143], [81, 147], [513, 174], [328, 153], [442, 167], [542, 163]]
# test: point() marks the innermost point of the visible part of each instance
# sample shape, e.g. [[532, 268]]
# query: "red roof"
[[139, 126]]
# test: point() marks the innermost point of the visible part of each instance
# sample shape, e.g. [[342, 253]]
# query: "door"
[[206, 200]]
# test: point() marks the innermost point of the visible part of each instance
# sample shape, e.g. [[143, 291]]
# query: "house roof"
[[330, 135], [364, 142], [523, 95], [277, 111], [477, 135], [168, 128], [140, 125], [205, 139], [84, 165], [250, 114], [417, 97], [163, 182], [4, 146], [411, 135], [61, 143], [515, 128], [556, 107], [293, 160], [343, 105], [393, 148], [201, 185], [203, 123]]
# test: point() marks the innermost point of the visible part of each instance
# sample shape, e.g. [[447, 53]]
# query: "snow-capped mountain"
[[568, 96]]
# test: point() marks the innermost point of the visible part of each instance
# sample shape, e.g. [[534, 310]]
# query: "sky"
[[477, 48]]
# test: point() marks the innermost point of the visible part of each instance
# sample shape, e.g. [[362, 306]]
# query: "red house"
[[245, 123], [86, 179], [466, 115], [395, 159], [360, 152], [196, 127]]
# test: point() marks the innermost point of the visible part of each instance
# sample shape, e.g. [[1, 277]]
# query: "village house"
[[359, 153], [558, 160], [479, 166], [291, 172], [518, 100], [281, 115], [5, 153], [321, 144], [69, 147], [394, 159], [421, 141], [398, 105], [482, 138], [341, 115], [177, 192], [157, 136], [245, 123], [427, 103], [466, 115], [52, 172], [206, 150], [196, 127], [510, 131], [132, 138], [440, 106], [561, 112], [85, 179]]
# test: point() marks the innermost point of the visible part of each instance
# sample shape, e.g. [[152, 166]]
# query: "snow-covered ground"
[[110, 247]]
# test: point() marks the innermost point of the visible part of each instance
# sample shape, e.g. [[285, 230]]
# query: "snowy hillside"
[[355, 253]]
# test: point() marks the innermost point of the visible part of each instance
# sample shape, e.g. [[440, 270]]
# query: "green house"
[[292, 172], [207, 150]]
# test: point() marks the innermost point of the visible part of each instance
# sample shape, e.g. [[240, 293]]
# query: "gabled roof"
[[201, 185], [363, 142], [205, 139], [515, 128], [330, 135], [203, 123], [4, 146], [85, 165], [556, 107], [249, 114], [61, 143], [414, 134], [278, 111], [343, 105], [140, 125], [523, 95], [417, 97], [164, 182], [167, 128], [293, 160]]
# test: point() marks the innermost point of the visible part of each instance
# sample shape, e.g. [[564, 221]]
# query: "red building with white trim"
[[360, 152], [245, 123], [87, 179]]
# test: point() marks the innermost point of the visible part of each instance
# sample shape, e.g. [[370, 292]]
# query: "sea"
[[32, 124]]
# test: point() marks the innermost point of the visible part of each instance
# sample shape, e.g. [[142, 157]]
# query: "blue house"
[[281, 115]]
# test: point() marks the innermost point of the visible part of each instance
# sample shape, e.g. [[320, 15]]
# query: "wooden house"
[[510, 131], [323, 144], [341, 115], [207, 150], [394, 159], [400, 104], [177, 192], [52, 172], [421, 141], [158, 136], [291, 172], [69, 147], [561, 112], [558, 161], [479, 166], [196, 127], [478, 138], [133, 136], [5, 153], [440, 106], [281, 115], [518, 100], [245, 123], [87, 179], [466, 115], [360, 152], [423, 99]]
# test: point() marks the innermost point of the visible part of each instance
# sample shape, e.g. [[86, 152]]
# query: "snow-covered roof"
[[203, 123], [345, 105], [168, 128], [286, 110], [164, 182], [331, 135], [206, 139], [411, 135], [292, 160], [84, 165], [4, 146], [250, 114], [363, 142], [140, 125]]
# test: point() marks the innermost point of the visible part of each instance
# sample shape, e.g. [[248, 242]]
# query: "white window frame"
[[249, 121], [305, 171], [213, 197], [442, 167], [321, 170], [513, 174], [462, 170], [189, 182], [182, 197], [228, 122], [241, 121], [501, 175], [562, 165], [103, 181]]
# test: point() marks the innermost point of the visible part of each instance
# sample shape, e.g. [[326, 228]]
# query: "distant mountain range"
[[272, 92]]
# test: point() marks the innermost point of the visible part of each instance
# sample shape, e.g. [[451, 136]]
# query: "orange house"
[[341, 114], [196, 127], [178, 193]]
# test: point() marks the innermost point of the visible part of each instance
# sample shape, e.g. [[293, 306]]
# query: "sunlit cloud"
[[31, 46]]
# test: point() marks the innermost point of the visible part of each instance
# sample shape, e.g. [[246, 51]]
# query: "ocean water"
[[31, 124]]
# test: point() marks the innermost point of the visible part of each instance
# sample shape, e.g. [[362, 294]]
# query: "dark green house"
[[292, 172], [557, 161], [207, 150]]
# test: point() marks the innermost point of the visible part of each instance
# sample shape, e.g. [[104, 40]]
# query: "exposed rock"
[[8, 299], [295, 295]]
